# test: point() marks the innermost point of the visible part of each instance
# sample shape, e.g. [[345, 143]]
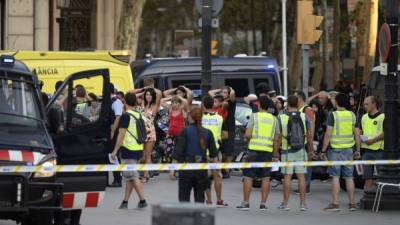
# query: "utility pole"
[[306, 67], [206, 47], [284, 50], [389, 173]]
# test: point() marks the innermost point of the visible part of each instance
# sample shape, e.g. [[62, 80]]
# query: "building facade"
[[58, 24]]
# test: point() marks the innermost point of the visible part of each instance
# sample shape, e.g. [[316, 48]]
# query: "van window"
[[191, 84], [241, 86]]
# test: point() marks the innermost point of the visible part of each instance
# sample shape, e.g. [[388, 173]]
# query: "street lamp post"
[[389, 173], [284, 49], [206, 46]]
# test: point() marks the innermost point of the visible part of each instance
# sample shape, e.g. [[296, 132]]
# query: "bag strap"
[[131, 115]]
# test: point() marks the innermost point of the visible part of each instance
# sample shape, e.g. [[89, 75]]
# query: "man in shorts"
[[131, 150], [290, 154], [340, 139], [371, 129], [262, 131]]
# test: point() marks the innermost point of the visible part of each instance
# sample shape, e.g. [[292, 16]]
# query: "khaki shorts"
[[299, 156], [130, 175]]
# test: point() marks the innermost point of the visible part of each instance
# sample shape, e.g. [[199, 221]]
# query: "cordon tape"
[[184, 166]]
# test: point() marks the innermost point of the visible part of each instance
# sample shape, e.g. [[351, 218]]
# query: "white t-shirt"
[[117, 107]]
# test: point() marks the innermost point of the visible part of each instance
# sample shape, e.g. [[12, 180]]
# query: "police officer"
[[131, 150], [191, 147], [340, 139], [371, 131], [298, 154], [212, 121], [262, 131]]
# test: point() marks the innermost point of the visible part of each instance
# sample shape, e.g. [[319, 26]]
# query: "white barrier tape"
[[185, 166]]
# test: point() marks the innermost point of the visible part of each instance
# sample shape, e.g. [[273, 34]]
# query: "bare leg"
[[138, 188], [247, 186], [264, 189], [335, 190], [208, 196], [148, 148], [369, 183], [350, 189], [286, 188], [302, 187], [218, 184], [128, 189]]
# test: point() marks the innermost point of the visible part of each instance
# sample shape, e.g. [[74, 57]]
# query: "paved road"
[[163, 190]]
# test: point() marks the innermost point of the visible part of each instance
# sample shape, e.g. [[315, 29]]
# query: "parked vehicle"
[[53, 66], [241, 73], [34, 135]]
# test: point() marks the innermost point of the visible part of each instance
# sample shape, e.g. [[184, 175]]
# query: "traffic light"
[[307, 23], [214, 49]]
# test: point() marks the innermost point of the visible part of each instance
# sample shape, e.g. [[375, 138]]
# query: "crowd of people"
[[287, 129]]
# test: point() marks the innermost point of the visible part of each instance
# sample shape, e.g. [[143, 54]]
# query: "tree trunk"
[[371, 37], [336, 41], [129, 24]]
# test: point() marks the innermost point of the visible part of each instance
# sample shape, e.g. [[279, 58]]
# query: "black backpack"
[[140, 128], [295, 131]]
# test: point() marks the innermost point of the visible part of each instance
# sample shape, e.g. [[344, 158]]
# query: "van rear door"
[[80, 128]]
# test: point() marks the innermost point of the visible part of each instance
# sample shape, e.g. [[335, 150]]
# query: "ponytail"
[[196, 114]]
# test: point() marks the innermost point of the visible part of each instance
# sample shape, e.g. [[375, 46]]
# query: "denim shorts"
[[368, 170], [339, 154], [258, 156], [290, 156]]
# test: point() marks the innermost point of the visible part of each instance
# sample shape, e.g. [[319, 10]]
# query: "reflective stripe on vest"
[[372, 128], [284, 118], [130, 142], [342, 133], [263, 132], [213, 122]]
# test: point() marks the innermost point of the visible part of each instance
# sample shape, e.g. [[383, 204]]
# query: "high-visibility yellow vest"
[[263, 132], [372, 128], [343, 129], [213, 122], [302, 108], [284, 119], [130, 142]]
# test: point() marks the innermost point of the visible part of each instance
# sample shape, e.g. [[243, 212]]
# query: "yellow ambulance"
[[53, 66]]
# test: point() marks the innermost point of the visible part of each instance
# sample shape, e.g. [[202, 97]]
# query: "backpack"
[[295, 131], [140, 128]]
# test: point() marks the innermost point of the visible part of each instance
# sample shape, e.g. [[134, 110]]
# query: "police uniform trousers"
[[192, 179]]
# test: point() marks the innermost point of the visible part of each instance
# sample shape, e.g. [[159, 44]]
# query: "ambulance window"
[[241, 86]]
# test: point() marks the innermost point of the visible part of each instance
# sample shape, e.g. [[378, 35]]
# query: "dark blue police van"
[[241, 73]]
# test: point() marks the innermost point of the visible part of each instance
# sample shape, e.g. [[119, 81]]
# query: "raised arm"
[[232, 95], [169, 92], [158, 98], [185, 104], [164, 102], [214, 92], [189, 96], [137, 91]]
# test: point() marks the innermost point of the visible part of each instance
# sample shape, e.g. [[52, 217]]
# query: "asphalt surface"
[[162, 190]]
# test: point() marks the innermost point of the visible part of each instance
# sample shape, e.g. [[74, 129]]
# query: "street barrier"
[[184, 166]]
